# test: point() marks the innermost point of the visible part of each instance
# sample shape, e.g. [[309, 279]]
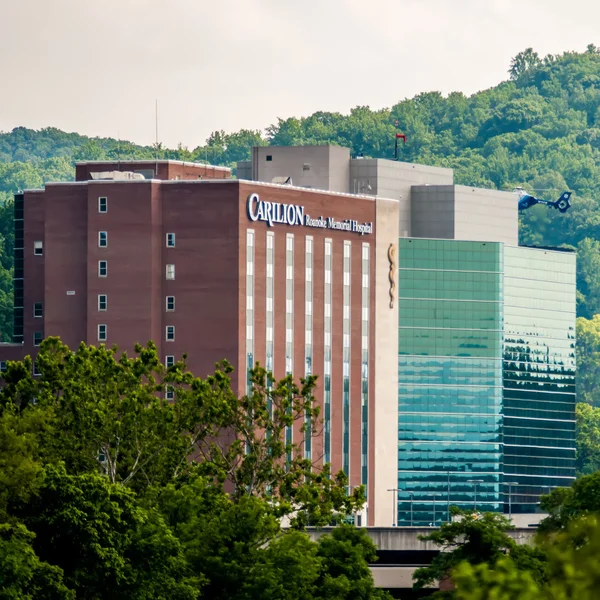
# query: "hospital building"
[[445, 352]]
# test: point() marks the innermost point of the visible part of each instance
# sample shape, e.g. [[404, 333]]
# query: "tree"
[[588, 277], [105, 545], [470, 536], [573, 570], [523, 62], [20, 470], [588, 439], [501, 581], [345, 575], [474, 538], [107, 415], [237, 546], [23, 575], [565, 505], [269, 465], [588, 360]]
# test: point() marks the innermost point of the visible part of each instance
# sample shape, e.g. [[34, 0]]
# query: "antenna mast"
[[156, 137]]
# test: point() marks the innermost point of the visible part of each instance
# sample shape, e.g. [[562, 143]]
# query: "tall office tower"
[[485, 377]]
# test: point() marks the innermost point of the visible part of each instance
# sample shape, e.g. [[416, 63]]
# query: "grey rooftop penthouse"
[[430, 204]]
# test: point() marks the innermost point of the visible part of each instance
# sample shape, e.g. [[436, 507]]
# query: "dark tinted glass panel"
[[539, 373], [450, 378]]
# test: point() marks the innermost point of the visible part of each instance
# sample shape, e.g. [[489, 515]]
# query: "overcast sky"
[[97, 66]]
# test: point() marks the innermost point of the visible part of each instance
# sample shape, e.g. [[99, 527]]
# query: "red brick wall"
[[33, 266], [128, 286], [65, 257], [316, 204], [204, 218], [166, 169], [210, 223]]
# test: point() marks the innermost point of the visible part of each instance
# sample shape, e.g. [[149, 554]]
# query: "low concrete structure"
[[401, 552], [407, 538]]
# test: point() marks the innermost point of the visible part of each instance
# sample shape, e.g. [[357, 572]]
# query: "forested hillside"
[[540, 129]]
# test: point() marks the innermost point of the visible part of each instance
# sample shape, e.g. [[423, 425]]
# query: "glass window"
[[37, 338], [270, 302], [102, 301], [101, 333], [170, 271], [170, 333], [308, 331], [169, 361], [38, 248], [102, 239], [169, 392], [327, 329], [38, 310], [249, 306], [346, 324], [289, 317], [36, 370], [2, 366], [102, 204], [170, 303], [102, 268], [170, 240]]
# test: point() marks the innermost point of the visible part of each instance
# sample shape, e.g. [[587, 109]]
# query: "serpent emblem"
[[392, 274]]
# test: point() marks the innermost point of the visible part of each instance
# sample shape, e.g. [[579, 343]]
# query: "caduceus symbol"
[[392, 274]]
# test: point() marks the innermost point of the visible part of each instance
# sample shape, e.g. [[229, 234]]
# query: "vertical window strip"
[[270, 300], [270, 313], [308, 335], [327, 354], [249, 305], [346, 361], [365, 363], [289, 317]]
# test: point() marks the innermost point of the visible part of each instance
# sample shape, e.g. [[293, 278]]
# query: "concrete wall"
[[384, 467], [394, 179], [407, 538], [317, 167], [486, 215], [433, 211], [244, 170], [464, 213]]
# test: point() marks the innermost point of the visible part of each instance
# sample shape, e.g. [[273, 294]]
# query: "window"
[[102, 300], [101, 333], [102, 239], [2, 366], [170, 240], [170, 333], [102, 268], [170, 303], [169, 361], [37, 338], [269, 157], [38, 248], [249, 307], [102, 205], [38, 310], [36, 371], [170, 271], [169, 392]]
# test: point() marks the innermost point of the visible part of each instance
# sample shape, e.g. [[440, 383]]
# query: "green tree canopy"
[[109, 491]]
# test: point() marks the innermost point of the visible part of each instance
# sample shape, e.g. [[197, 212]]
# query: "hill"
[[540, 129]]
